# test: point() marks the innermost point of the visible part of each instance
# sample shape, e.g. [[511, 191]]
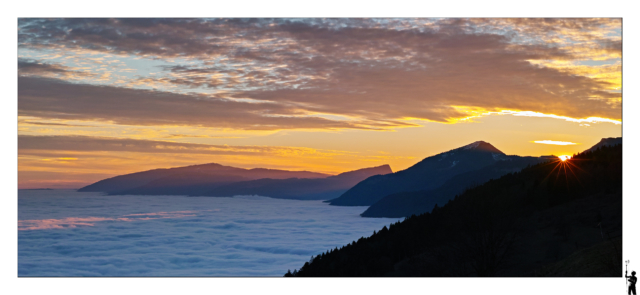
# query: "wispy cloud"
[[49, 144], [47, 98], [72, 222], [174, 136], [50, 70], [577, 120], [554, 142]]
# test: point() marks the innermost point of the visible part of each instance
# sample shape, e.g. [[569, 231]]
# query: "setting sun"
[[564, 158]]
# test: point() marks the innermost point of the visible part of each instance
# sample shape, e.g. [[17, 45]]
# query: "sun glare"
[[564, 158]]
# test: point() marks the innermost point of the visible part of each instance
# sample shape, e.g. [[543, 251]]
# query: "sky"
[[104, 97]]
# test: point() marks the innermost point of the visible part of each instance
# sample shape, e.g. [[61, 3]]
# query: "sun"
[[564, 158]]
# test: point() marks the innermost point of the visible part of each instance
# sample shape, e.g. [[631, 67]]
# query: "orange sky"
[[98, 98]]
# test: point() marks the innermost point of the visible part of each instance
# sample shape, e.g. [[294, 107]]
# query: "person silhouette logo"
[[632, 282]]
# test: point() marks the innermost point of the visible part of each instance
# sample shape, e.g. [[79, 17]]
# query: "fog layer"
[[66, 233]]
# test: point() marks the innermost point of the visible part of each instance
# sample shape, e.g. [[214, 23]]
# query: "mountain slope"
[[405, 204], [409, 203], [606, 142], [429, 173], [168, 181], [511, 226], [300, 189]]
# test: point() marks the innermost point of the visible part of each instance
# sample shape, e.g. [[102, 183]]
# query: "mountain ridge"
[[132, 180], [217, 180], [429, 173], [405, 204], [299, 189], [607, 141]]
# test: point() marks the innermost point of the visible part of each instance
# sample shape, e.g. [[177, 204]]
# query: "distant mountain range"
[[225, 181], [190, 176], [433, 181], [433, 172], [300, 188]]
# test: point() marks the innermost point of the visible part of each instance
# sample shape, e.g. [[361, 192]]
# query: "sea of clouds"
[[67, 233]]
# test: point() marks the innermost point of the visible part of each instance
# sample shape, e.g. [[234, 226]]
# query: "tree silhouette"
[[496, 228]]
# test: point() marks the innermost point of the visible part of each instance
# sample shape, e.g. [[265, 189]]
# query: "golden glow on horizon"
[[326, 152]]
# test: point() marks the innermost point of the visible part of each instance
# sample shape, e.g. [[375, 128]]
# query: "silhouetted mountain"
[[300, 189], [523, 224], [174, 180], [606, 141], [428, 174], [413, 203], [225, 181]]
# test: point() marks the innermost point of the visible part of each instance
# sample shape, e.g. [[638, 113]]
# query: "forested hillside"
[[521, 224]]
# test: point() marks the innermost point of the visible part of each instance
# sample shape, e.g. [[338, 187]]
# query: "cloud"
[[553, 142], [240, 236], [541, 115], [34, 68], [377, 73], [51, 98], [45, 145], [251, 39], [27, 122], [174, 136], [61, 159]]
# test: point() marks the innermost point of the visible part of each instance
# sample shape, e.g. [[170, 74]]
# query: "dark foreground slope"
[[603, 258], [299, 189], [173, 180], [512, 226], [606, 142], [406, 204], [429, 173]]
